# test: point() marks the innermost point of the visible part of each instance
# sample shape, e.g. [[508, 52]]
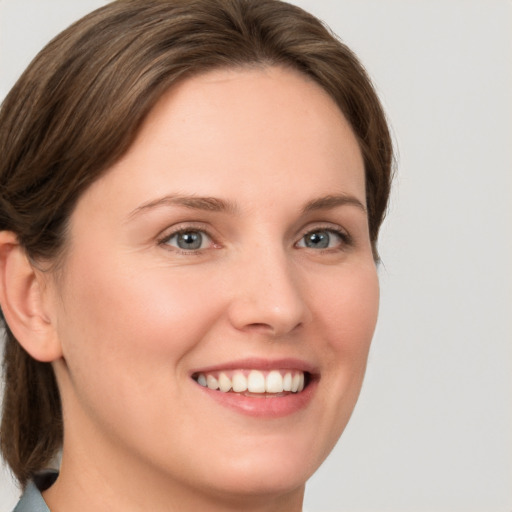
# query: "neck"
[[89, 482]]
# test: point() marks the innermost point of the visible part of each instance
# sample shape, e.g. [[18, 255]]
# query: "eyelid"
[[185, 227], [333, 228]]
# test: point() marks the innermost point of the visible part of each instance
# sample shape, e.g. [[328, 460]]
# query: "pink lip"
[[263, 406], [255, 363]]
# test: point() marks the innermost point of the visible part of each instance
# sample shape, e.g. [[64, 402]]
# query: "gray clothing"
[[32, 499]]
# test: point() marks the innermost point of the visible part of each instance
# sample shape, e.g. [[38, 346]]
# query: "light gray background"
[[433, 428]]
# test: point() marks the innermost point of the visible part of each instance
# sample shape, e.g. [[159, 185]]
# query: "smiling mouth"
[[255, 383]]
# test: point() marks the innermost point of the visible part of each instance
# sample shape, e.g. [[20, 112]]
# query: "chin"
[[268, 482], [267, 472]]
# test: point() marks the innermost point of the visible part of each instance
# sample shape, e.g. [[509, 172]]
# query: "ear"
[[23, 301]]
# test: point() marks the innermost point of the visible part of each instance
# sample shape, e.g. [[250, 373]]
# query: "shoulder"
[[32, 499]]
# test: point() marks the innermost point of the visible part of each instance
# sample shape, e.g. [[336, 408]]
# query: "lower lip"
[[264, 406]]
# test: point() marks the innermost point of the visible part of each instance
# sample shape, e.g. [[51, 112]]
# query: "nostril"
[[260, 327], [274, 329]]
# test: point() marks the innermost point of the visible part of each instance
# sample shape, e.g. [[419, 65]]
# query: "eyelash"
[[164, 241], [345, 239]]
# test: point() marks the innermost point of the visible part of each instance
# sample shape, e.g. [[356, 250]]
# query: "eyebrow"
[[211, 204], [215, 204], [333, 201]]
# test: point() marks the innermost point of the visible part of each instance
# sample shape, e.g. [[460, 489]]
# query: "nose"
[[268, 297]]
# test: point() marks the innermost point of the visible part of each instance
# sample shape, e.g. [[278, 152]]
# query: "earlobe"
[[23, 302]]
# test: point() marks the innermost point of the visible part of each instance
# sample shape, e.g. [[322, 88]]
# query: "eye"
[[189, 240], [323, 239]]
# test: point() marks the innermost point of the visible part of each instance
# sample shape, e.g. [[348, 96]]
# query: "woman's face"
[[228, 247]]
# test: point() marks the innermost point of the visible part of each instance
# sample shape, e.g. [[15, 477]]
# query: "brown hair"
[[78, 107]]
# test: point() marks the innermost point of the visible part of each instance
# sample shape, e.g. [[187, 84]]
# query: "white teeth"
[[301, 382], [212, 382], [239, 382], [224, 382], [274, 382], [287, 382], [295, 383], [256, 381]]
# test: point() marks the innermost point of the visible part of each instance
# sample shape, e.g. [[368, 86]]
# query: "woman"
[[191, 194]]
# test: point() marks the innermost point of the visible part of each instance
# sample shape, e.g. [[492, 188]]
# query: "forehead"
[[249, 103], [237, 132]]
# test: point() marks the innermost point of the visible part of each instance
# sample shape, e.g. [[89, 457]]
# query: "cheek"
[[348, 313], [120, 323], [349, 308], [137, 304], [126, 339], [345, 309]]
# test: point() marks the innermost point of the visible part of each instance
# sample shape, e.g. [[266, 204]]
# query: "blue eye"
[[321, 239], [191, 240]]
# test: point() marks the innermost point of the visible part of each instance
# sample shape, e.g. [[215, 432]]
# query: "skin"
[[133, 315]]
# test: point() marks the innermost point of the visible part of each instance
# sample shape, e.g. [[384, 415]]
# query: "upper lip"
[[255, 363]]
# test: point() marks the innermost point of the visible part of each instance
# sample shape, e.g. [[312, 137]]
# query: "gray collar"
[[32, 499]]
